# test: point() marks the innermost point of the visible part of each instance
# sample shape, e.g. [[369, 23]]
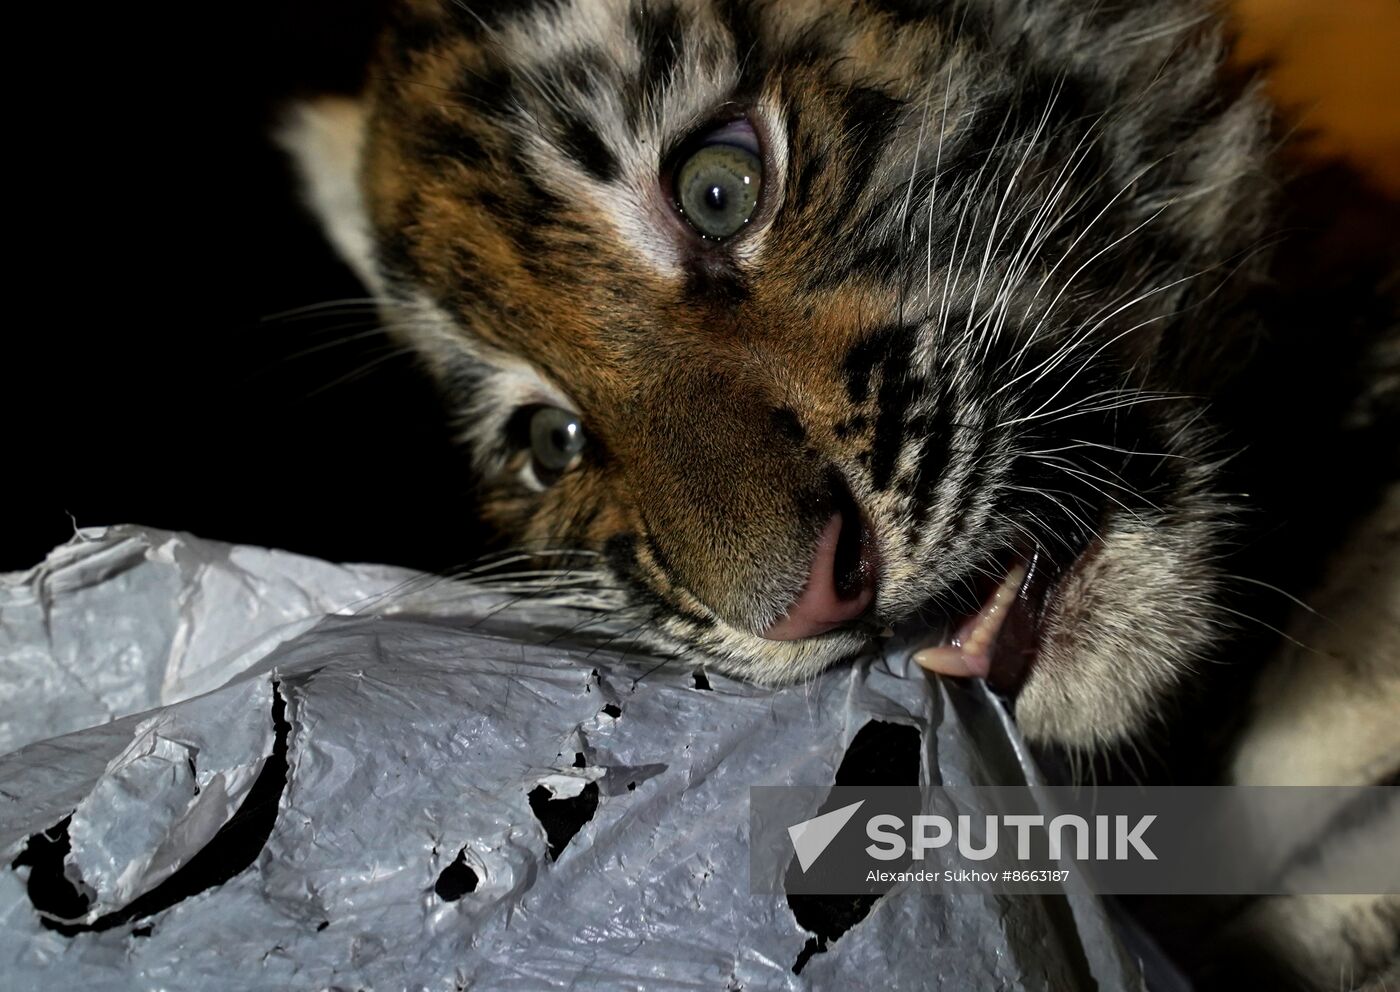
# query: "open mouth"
[[1000, 641]]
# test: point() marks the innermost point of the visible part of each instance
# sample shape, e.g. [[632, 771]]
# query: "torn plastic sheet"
[[124, 619], [438, 789]]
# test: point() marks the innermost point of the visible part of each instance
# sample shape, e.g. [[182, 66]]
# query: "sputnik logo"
[[811, 837]]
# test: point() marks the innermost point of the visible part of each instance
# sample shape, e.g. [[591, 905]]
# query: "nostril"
[[853, 571], [841, 577]]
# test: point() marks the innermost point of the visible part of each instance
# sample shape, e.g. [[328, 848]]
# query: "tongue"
[[968, 656]]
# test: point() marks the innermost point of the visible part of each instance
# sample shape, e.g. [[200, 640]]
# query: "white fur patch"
[[325, 138]]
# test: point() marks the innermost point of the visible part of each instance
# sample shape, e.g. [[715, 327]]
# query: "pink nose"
[[841, 583]]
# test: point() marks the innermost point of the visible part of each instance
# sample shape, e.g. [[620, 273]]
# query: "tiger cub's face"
[[810, 317]]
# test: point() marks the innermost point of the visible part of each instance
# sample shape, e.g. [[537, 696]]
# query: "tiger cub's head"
[[813, 317]]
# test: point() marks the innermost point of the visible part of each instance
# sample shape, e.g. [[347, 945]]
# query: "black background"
[[146, 377]]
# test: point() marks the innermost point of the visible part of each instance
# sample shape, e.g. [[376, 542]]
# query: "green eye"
[[718, 184], [556, 442]]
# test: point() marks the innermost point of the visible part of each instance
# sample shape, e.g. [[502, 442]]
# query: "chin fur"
[[1126, 625]]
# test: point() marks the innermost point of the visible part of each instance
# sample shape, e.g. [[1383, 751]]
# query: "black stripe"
[[539, 206], [620, 554], [973, 488], [898, 389], [933, 458], [492, 91], [661, 561], [905, 11], [582, 70], [869, 118], [697, 620], [788, 425], [714, 279], [436, 137], [848, 428], [579, 139], [746, 34], [861, 360], [660, 37]]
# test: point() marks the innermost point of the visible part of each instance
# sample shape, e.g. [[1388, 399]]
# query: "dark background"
[[146, 376]]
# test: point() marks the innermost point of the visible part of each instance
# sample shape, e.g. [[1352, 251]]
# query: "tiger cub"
[[812, 319]]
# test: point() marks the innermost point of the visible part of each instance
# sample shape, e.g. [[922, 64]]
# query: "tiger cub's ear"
[[325, 138]]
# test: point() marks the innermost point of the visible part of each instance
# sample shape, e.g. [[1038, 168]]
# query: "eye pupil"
[[715, 198]]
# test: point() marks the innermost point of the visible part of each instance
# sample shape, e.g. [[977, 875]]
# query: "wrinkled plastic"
[[419, 738]]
